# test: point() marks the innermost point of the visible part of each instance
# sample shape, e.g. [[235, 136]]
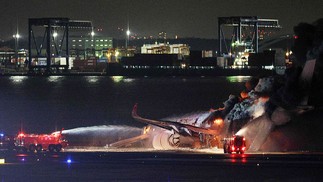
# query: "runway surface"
[[152, 165]]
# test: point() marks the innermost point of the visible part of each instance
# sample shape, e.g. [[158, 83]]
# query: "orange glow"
[[146, 129], [244, 94], [218, 121], [264, 99]]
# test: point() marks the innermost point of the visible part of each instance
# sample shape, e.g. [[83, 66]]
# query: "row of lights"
[[55, 34]]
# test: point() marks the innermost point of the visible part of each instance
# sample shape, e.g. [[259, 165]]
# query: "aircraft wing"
[[171, 125]]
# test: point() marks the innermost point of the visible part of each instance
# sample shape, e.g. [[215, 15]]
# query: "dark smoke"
[[294, 93], [290, 98], [303, 133]]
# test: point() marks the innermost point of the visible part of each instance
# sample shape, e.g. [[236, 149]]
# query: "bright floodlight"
[[128, 32], [16, 36], [92, 33], [55, 34]]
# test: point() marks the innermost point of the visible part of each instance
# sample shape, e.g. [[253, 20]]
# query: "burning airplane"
[[194, 132], [260, 113], [277, 113]]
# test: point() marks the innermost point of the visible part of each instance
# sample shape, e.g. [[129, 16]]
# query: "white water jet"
[[99, 135]]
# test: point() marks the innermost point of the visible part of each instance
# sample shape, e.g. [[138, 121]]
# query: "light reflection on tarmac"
[[137, 164], [111, 149], [178, 150]]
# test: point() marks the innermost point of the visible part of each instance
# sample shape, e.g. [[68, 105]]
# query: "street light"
[[55, 34], [90, 45], [127, 41], [54, 44], [93, 48], [16, 37]]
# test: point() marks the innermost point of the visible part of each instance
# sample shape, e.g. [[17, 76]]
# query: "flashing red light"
[[243, 148], [21, 135], [244, 160], [296, 37], [232, 148]]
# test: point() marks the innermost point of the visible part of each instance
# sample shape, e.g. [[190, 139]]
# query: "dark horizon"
[[144, 18]]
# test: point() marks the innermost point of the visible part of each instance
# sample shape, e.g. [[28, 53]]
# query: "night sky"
[[185, 18]]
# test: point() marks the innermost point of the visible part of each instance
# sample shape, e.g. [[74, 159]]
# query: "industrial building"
[[165, 48], [90, 46], [90, 53]]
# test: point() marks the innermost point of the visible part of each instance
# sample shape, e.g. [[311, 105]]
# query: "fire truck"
[[40, 142], [235, 144], [6, 142]]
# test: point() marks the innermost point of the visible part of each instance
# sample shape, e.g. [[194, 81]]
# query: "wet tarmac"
[[153, 165]]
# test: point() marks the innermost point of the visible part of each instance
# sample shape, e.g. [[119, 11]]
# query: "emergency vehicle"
[[235, 144], [40, 142], [6, 142]]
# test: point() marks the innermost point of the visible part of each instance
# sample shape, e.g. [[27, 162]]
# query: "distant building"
[[159, 55], [95, 46], [91, 53], [8, 57], [162, 35], [163, 48]]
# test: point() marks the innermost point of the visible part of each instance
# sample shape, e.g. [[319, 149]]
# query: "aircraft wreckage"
[[254, 115], [277, 113]]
